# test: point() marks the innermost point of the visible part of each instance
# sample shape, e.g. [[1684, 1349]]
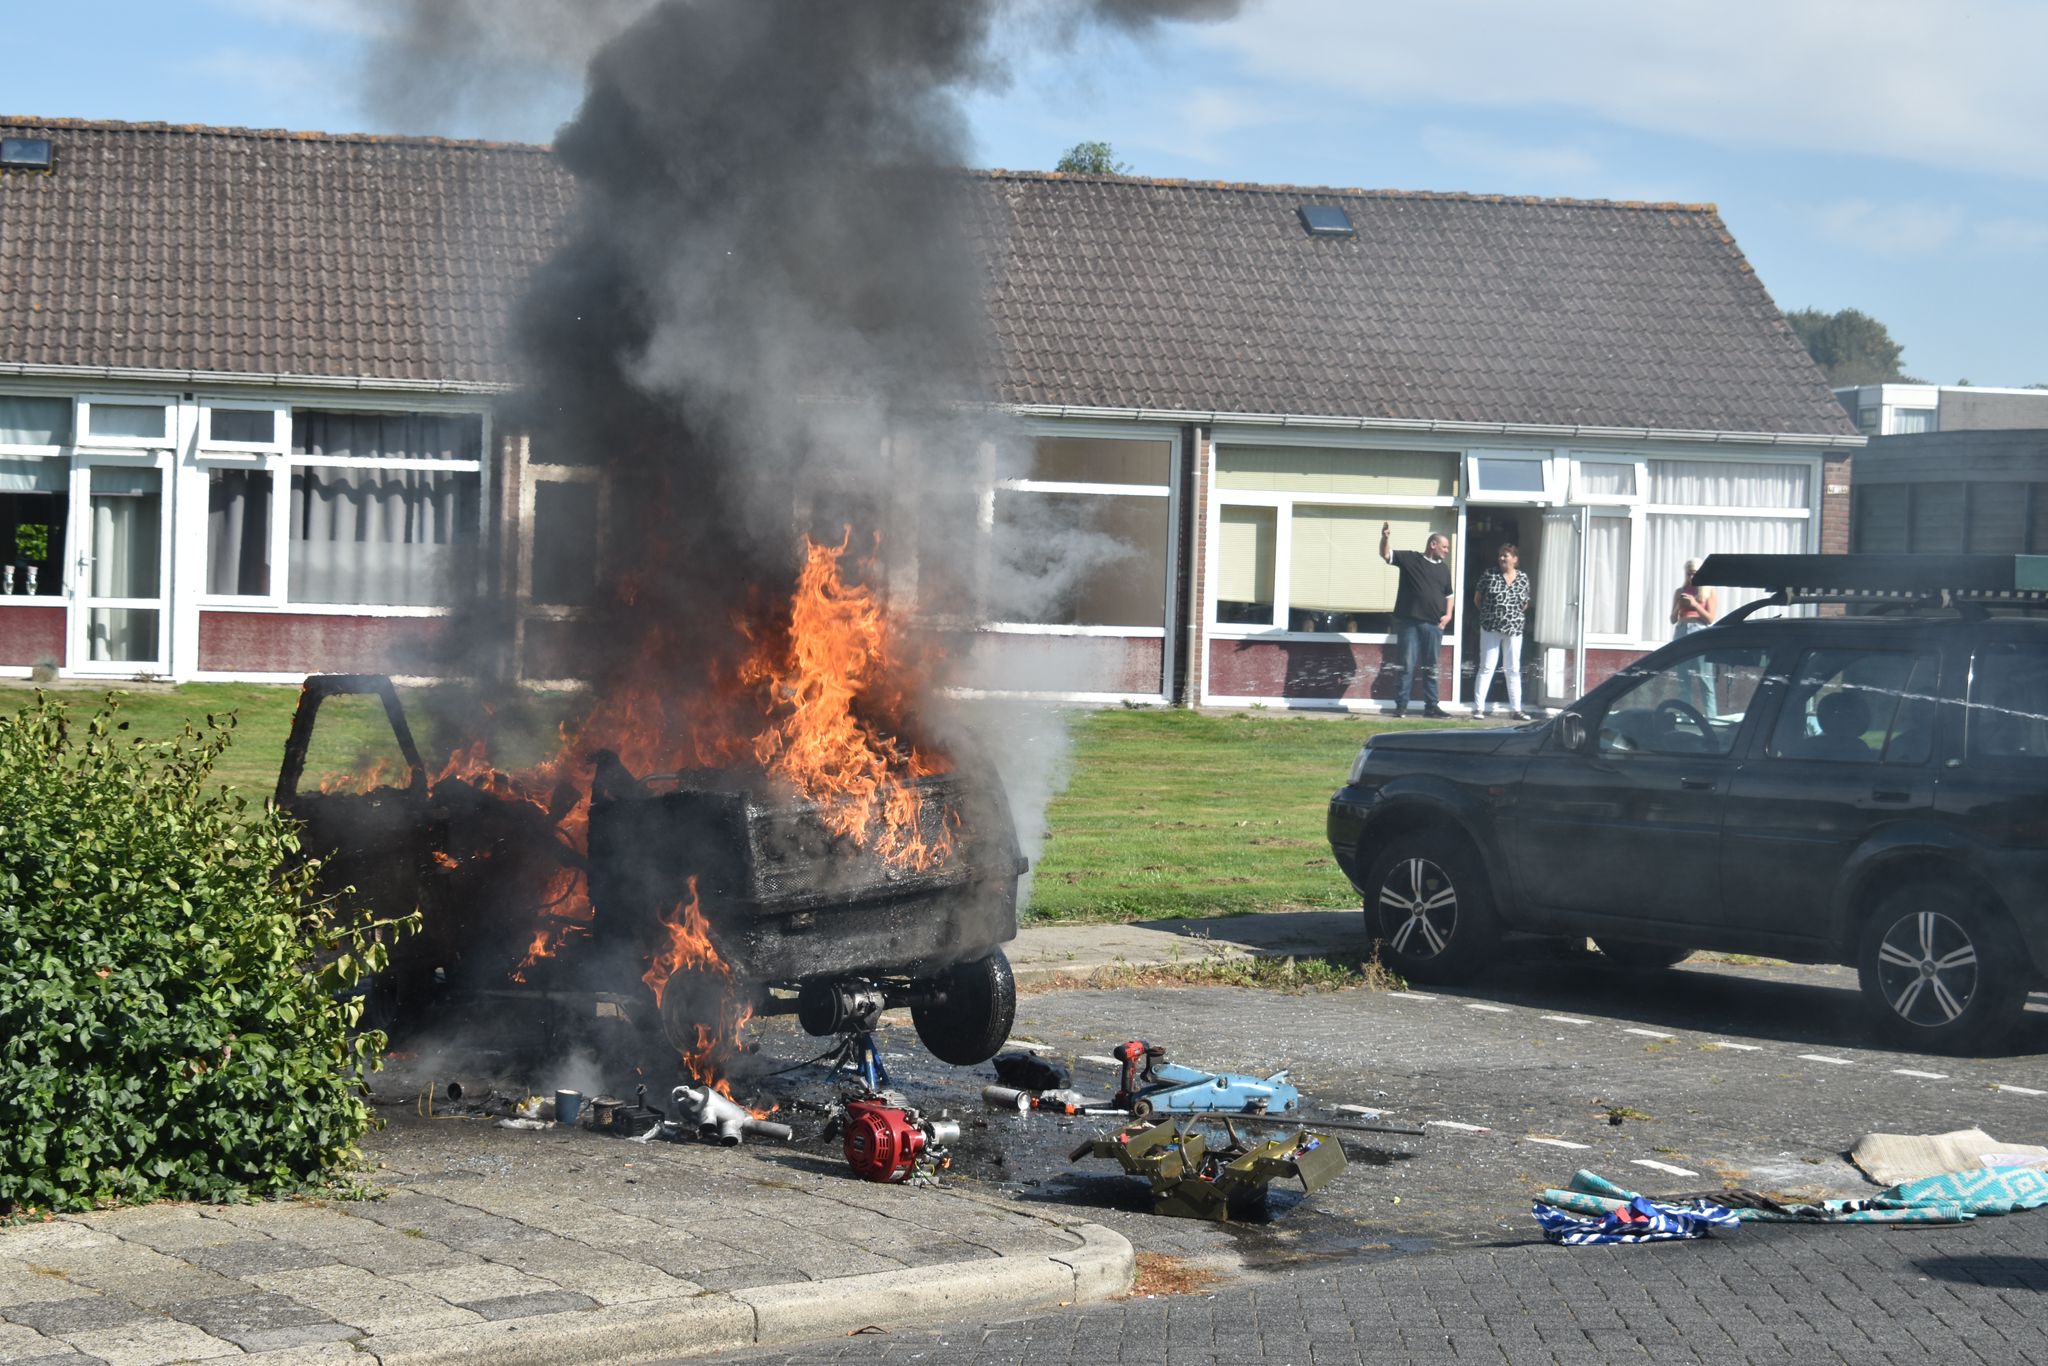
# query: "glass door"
[[1560, 627], [118, 611]]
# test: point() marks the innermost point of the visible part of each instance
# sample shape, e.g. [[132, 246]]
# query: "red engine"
[[887, 1142]]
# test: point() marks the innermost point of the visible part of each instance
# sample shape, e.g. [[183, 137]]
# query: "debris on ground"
[[1889, 1159], [1950, 1198], [1640, 1220], [1195, 1177]]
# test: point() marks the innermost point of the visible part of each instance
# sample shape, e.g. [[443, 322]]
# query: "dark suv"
[[1868, 789]]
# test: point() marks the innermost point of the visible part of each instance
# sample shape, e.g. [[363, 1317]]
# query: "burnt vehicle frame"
[[1675, 808], [807, 923]]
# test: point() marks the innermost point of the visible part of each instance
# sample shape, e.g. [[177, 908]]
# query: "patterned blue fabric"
[[1639, 1221], [1947, 1199]]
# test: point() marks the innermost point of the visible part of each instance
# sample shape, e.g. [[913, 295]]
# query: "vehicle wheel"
[[971, 1024], [1641, 956], [1427, 905], [1939, 973]]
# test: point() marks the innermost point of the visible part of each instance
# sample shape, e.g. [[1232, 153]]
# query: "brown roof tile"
[[257, 251]]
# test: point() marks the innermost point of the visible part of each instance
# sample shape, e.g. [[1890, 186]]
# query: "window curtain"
[[388, 436], [1607, 553], [1670, 539], [1556, 611], [376, 537], [238, 532], [1724, 484], [127, 523]]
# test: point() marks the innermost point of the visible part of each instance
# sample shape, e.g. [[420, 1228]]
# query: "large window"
[[1297, 533], [1087, 533], [384, 507], [33, 513], [1651, 516]]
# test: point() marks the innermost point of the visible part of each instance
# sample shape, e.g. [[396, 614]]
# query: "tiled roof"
[[263, 252], [1184, 295], [214, 249]]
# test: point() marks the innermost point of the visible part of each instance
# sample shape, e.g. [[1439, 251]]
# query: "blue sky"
[[1880, 154]]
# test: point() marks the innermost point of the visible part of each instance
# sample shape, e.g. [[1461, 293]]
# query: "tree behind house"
[[1091, 158], [1850, 346]]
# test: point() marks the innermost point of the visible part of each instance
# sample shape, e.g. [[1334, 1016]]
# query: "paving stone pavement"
[[1764, 1294]]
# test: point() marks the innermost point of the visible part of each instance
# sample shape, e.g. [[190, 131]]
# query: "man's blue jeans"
[[1420, 643]]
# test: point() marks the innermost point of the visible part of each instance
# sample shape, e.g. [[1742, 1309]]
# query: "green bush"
[[174, 1019]]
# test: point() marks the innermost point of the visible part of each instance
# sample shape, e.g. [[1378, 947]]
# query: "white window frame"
[[281, 495], [1170, 438], [280, 434], [537, 474], [269, 457], [84, 439], [1476, 492]]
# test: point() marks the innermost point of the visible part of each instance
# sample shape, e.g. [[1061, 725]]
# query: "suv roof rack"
[[1970, 584]]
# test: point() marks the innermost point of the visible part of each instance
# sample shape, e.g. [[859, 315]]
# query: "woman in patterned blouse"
[[1503, 602]]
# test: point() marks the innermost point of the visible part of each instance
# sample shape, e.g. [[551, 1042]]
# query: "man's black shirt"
[[1425, 589]]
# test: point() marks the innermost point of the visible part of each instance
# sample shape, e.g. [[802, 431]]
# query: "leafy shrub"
[[173, 1022]]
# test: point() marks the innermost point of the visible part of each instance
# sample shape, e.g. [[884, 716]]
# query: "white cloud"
[[354, 17], [2013, 234], [1954, 85], [1548, 168], [1896, 232]]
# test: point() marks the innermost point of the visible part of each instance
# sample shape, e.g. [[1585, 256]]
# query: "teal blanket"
[[1936, 1199]]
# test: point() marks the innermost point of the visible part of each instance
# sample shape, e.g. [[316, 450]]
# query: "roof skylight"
[[1326, 220], [25, 154]]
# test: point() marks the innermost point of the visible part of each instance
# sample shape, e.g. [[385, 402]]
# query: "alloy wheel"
[[1927, 968], [1419, 908]]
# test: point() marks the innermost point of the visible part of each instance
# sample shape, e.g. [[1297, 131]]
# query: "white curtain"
[[1725, 484], [1556, 612], [376, 537], [127, 521], [1607, 554], [1670, 539]]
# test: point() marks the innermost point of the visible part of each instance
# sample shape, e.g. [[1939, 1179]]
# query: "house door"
[[118, 603], [1559, 633]]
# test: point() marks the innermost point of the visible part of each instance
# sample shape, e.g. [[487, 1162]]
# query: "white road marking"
[[1453, 1124], [1409, 996], [1098, 1060], [1496, 1010], [1360, 1110], [1650, 1033], [1744, 1047], [1664, 1167], [2017, 1090], [1916, 1072], [1554, 1142], [1567, 1019], [1822, 1057], [1026, 1046]]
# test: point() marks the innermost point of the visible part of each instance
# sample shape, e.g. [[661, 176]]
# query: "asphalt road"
[[1426, 1249]]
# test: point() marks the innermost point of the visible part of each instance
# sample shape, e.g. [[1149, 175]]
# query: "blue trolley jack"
[[1152, 1085]]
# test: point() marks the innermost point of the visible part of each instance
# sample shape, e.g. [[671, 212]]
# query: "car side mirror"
[[1571, 730]]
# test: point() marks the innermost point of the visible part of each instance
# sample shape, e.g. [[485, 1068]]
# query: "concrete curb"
[[1104, 1264]]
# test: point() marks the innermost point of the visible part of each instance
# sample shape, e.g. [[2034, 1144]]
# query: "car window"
[[1692, 705], [1844, 706], [2008, 706]]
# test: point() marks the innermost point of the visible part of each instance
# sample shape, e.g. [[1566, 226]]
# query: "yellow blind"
[[1310, 469], [1336, 557], [1244, 554]]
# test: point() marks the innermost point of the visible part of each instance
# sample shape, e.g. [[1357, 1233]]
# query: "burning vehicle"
[[804, 860]]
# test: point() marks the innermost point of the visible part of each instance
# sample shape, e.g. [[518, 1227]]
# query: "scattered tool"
[[1150, 1084], [719, 1119], [1194, 1177]]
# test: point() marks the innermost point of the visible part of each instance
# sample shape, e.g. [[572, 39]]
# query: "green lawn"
[[1168, 813], [1173, 813]]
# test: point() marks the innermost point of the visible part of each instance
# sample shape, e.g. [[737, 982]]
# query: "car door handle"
[[1884, 794], [1697, 784]]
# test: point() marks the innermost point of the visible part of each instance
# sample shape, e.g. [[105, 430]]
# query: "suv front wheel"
[[1427, 905], [1939, 973]]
